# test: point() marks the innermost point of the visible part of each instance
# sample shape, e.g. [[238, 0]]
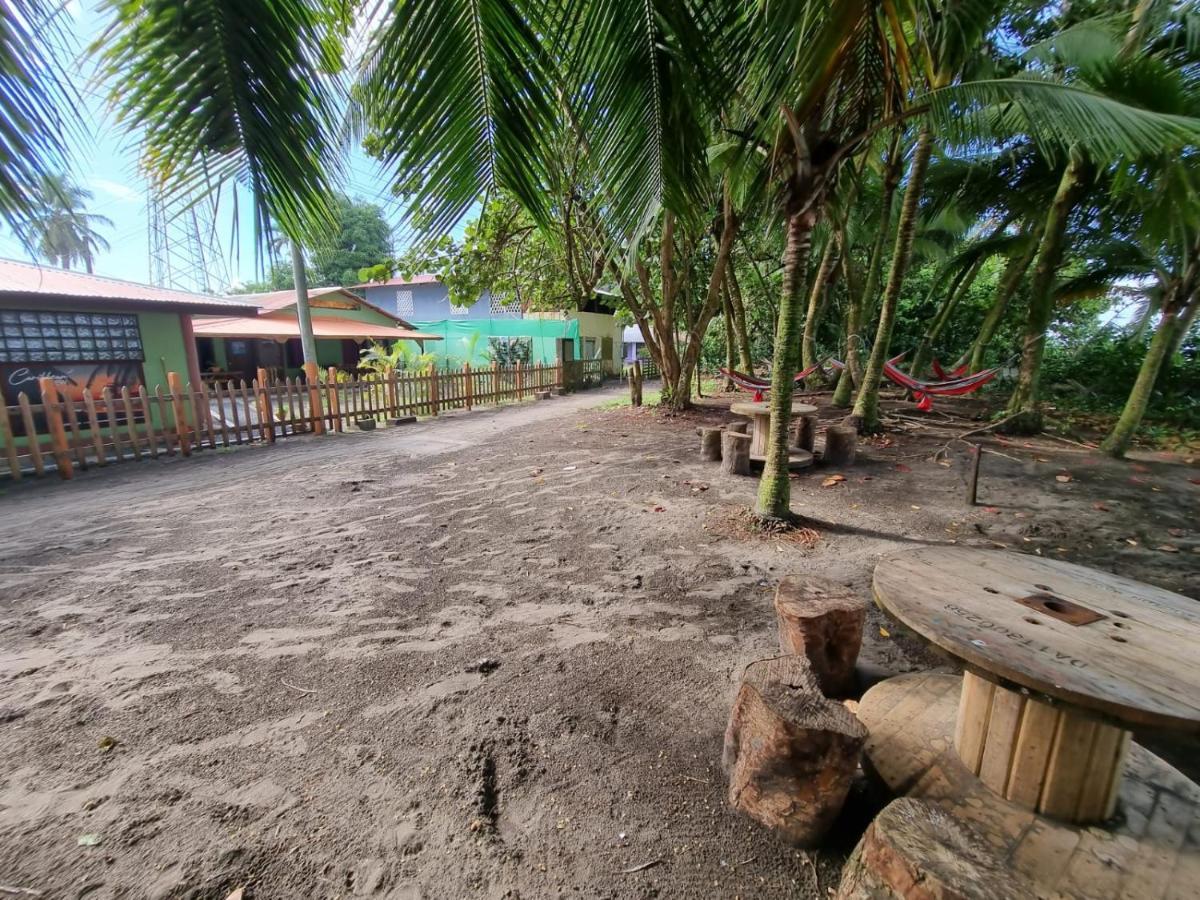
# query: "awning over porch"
[[266, 327]]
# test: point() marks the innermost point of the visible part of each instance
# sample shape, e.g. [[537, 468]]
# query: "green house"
[[89, 333]]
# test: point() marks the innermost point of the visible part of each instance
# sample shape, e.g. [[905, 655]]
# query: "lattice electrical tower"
[[184, 251]]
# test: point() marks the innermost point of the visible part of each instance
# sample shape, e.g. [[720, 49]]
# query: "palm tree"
[[64, 230]]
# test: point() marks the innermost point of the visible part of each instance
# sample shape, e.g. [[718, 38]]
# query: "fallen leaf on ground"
[[914, 506], [236, 894], [1131, 542], [1176, 532], [832, 480], [901, 467], [89, 840], [1062, 479], [1167, 548], [660, 509], [991, 509], [1100, 506], [883, 632]]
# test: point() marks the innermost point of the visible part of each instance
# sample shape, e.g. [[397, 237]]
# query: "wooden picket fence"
[[128, 426]]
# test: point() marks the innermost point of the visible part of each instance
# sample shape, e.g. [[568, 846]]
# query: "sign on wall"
[[74, 381]]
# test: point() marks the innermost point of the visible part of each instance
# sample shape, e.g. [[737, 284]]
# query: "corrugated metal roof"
[[277, 300], [45, 281]]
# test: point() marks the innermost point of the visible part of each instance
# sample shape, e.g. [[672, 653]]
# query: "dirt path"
[[485, 656]]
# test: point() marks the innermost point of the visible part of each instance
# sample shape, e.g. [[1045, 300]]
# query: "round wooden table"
[[759, 413], [1060, 662]]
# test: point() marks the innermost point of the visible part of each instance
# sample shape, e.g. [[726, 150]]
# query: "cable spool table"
[[1060, 662], [759, 413]]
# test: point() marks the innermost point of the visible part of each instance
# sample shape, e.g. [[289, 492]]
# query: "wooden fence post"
[[175, 386], [58, 434], [433, 389], [10, 447], [520, 380], [266, 416], [314, 398], [470, 385], [496, 382], [335, 404]]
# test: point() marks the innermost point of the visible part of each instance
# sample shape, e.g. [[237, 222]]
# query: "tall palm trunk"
[[1006, 289], [774, 490], [727, 318], [866, 406], [808, 346], [745, 360], [958, 288], [308, 343], [1024, 415], [862, 302], [1175, 322]]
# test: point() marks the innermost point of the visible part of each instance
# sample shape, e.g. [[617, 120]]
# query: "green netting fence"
[[469, 340]]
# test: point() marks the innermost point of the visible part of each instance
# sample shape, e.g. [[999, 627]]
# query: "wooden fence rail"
[[63, 435]]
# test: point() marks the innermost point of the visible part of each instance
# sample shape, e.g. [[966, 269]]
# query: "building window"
[[499, 308], [589, 348], [404, 304], [34, 336]]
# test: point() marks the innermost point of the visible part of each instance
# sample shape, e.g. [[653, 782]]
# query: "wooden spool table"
[[759, 413], [1060, 661]]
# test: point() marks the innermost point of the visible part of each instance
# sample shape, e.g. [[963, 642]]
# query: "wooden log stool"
[[804, 433], [914, 849], [710, 444], [790, 753], [823, 622], [841, 443], [735, 453], [742, 427]]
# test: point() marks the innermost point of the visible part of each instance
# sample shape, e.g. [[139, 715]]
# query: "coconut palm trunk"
[[808, 345], [1006, 289], [774, 490], [727, 319], [1024, 415], [745, 360], [958, 288], [308, 343], [863, 301], [1174, 323], [865, 416]]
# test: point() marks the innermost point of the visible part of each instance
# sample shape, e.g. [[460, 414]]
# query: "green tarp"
[[457, 336]]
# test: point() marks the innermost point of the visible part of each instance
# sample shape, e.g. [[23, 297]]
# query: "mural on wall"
[[74, 381]]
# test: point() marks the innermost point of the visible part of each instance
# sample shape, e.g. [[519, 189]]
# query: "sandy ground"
[[489, 655]]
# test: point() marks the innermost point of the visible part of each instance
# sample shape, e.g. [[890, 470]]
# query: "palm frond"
[[460, 99], [227, 91], [36, 100], [1055, 116]]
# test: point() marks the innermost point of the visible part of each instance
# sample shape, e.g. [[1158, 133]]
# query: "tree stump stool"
[[790, 752], [804, 433], [915, 849], [738, 427], [823, 622], [710, 444], [541, 395], [365, 424], [841, 442], [735, 453], [397, 421]]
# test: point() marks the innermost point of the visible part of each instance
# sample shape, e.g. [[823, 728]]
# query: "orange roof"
[[279, 300], [323, 327], [24, 279]]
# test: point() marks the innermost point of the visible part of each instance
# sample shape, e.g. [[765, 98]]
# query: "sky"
[[105, 163]]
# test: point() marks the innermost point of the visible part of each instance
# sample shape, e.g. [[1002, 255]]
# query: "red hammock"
[[923, 390], [760, 386], [951, 388], [944, 376]]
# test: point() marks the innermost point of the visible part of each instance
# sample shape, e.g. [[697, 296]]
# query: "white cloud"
[[115, 190]]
